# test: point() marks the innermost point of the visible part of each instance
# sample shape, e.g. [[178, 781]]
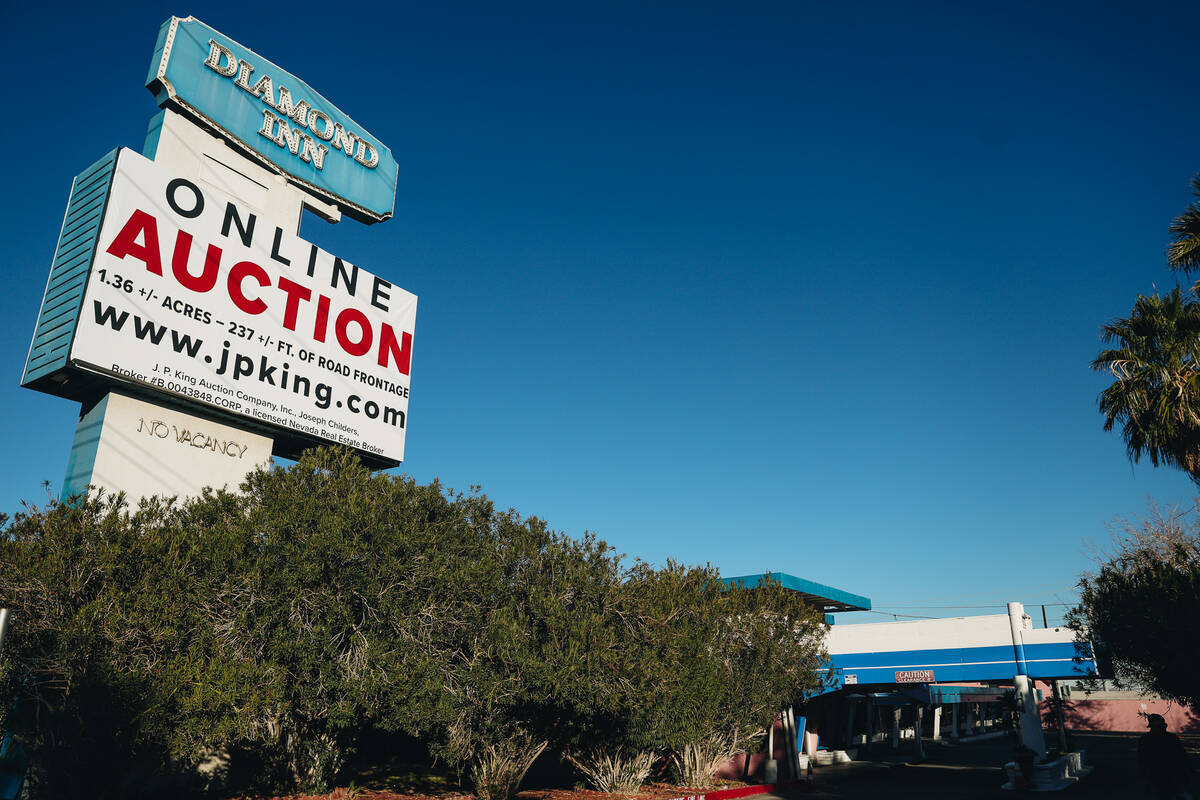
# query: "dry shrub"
[[613, 772], [499, 770], [696, 762]]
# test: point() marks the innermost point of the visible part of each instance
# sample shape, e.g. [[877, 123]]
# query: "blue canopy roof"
[[826, 598]]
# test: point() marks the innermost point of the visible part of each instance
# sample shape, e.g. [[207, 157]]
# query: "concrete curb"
[[740, 791]]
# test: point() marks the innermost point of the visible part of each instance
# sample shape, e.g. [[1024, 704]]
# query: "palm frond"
[[1156, 392], [1183, 252]]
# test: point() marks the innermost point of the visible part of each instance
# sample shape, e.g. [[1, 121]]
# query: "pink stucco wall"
[[1126, 715], [1119, 714], [734, 769]]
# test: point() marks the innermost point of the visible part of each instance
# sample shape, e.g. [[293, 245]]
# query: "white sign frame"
[[193, 295]]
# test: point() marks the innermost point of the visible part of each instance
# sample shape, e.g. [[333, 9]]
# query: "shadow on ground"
[[974, 769]]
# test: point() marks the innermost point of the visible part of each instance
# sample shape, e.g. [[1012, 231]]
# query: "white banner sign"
[[196, 296]]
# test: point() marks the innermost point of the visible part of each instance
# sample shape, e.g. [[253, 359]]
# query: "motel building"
[[890, 686]]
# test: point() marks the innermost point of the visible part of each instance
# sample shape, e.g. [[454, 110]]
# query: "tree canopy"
[[1139, 608]]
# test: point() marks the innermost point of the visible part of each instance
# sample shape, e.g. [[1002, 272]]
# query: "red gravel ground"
[[658, 791]]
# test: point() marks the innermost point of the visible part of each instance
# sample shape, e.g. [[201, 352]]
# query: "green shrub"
[[497, 771], [272, 627], [613, 772]]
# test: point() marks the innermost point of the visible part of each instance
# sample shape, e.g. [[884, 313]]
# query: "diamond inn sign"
[[272, 117], [200, 334]]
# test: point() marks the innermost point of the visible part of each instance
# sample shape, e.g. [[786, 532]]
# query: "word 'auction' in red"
[[353, 330]]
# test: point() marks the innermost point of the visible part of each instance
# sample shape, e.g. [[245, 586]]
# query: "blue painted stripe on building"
[[906, 658], [1043, 660], [1053, 669], [979, 672], [915, 659], [69, 270]]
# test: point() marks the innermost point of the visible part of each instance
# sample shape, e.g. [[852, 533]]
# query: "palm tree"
[[1184, 252], [1156, 395]]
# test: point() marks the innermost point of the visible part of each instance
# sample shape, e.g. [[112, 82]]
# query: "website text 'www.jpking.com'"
[[237, 367]]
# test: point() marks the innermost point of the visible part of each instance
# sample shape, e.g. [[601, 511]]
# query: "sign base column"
[[123, 443]]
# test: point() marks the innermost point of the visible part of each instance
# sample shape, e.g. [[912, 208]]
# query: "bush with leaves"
[[275, 625], [613, 771], [695, 763], [714, 663], [95, 600], [497, 770], [1137, 607]]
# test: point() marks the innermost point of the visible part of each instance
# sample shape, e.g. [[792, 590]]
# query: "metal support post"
[[1058, 716], [918, 719], [872, 714], [852, 707]]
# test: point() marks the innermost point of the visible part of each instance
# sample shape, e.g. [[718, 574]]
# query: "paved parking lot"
[[973, 769]]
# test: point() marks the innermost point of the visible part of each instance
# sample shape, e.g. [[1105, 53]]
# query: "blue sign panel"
[[273, 116]]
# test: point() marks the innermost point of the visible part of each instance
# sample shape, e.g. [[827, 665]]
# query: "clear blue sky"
[[802, 287]]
